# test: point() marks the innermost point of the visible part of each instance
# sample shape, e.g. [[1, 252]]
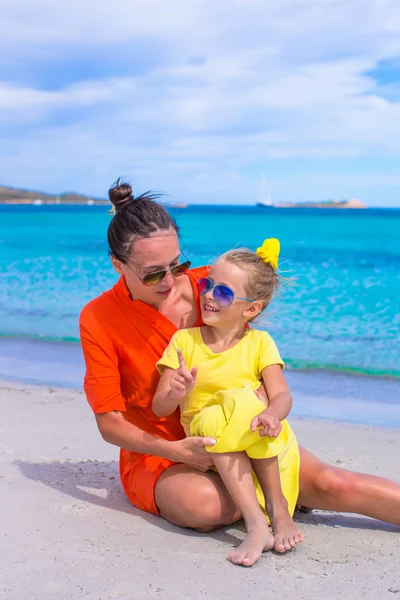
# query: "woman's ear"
[[117, 264], [253, 310]]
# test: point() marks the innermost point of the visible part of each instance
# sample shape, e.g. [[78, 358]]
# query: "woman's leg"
[[331, 488], [321, 486], [236, 473], [188, 498], [285, 531]]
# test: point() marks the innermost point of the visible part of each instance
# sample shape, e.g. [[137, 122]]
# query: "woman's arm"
[[103, 390], [116, 430], [119, 432]]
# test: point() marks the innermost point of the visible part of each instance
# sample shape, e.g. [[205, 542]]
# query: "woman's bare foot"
[[258, 539], [286, 534]]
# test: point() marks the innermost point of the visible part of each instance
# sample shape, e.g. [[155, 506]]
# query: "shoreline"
[[305, 388], [39, 389], [291, 364], [72, 533], [318, 394], [24, 342]]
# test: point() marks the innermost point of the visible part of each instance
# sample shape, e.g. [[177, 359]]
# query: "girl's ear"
[[117, 264], [253, 310]]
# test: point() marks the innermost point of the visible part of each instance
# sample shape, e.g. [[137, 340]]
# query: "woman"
[[123, 334]]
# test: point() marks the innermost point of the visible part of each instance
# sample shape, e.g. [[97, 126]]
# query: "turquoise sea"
[[341, 316]]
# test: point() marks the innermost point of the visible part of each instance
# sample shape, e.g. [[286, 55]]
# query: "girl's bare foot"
[[258, 539], [286, 534]]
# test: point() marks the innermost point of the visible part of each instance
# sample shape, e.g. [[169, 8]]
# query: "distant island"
[[10, 195], [351, 203]]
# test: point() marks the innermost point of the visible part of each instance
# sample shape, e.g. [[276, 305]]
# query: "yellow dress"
[[222, 402]]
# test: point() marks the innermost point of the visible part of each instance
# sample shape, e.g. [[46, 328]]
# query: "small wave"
[[291, 363], [39, 338], [10, 311], [343, 336], [303, 365]]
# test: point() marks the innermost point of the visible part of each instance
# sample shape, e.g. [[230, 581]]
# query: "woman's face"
[[160, 252]]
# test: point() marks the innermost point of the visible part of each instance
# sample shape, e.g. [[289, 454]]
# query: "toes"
[[289, 543], [245, 561], [285, 544], [297, 538], [233, 558], [280, 547]]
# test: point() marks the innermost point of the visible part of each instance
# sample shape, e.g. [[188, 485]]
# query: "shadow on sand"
[[81, 480], [97, 482]]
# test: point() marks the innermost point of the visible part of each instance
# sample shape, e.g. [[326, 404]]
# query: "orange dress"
[[122, 340]]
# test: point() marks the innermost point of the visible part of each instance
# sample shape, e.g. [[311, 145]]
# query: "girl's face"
[[240, 311], [160, 252]]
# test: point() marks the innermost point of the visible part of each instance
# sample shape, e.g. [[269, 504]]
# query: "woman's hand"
[[191, 451], [269, 423], [182, 380]]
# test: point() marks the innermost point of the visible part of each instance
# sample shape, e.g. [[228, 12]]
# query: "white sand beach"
[[69, 531]]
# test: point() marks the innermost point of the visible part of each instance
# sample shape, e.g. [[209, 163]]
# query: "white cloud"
[[269, 80]]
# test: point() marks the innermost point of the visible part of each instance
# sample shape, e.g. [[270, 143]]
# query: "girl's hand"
[[182, 380], [269, 424]]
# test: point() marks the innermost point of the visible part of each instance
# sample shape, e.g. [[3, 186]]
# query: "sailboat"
[[265, 204], [265, 201]]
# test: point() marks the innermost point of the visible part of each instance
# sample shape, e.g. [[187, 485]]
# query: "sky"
[[204, 100]]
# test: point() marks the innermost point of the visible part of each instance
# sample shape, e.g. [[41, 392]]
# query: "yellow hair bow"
[[269, 251]]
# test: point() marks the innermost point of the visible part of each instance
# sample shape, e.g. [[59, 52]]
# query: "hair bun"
[[120, 194]]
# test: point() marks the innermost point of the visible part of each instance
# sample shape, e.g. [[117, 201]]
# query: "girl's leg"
[[330, 488], [285, 531], [235, 471]]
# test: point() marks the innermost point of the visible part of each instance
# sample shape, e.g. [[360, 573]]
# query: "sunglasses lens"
[[153, 278], [223, 295], [181, 269], [204, 285]]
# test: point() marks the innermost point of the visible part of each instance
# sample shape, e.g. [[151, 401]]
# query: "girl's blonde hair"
[[263, 281]]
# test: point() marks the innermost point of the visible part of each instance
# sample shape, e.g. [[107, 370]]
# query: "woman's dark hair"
[[134, 218]]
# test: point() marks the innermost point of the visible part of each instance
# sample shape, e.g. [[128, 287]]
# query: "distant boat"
[[265, 201], [265, 204]]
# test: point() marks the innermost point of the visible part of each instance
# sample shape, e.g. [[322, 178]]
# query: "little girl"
[[211, 374]]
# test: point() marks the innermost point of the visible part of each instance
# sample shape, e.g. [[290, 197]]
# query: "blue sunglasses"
[[223, 295]]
